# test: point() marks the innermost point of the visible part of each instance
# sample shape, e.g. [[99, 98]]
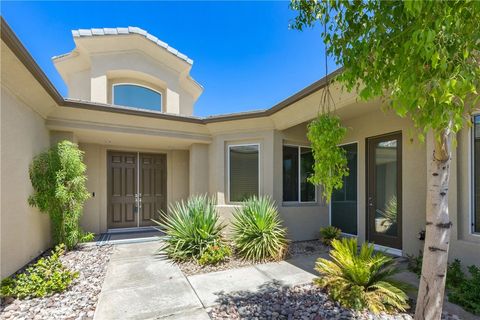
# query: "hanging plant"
[[325, 133]]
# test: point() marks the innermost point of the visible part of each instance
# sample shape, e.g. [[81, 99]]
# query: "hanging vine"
[[325, 134]]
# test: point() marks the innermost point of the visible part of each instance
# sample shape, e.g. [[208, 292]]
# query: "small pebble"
[[79, 300]]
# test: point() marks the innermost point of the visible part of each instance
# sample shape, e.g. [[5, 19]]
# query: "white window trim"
[[228, 167], [298, 146], [137, 85], [471, 177], [358, 185]]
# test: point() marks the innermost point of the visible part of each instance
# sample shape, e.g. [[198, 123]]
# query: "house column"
[[199, 173], [98, 89]]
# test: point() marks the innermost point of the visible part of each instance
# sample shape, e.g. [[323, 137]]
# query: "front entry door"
[[136, 186], [153, 183], [384, 190]]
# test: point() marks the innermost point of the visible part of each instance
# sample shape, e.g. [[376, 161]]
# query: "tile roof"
[[94, 32]]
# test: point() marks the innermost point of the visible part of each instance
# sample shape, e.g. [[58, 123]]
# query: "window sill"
[[299, 204]]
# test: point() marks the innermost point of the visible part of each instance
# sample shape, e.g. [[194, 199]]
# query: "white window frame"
[[298, 146], [228, 167], [358, 186], [138, 85]]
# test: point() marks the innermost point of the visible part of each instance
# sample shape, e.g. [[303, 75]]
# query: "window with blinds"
[[243, 172]]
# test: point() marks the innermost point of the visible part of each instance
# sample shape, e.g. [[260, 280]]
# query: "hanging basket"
[[325, 134]]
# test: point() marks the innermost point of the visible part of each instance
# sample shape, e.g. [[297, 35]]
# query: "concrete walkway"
[[142, 285]]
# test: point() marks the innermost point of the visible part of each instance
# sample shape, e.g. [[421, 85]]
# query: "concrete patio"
[[140, 284]]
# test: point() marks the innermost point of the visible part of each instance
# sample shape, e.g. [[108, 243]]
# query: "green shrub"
[[45, 277], [215, 254], [191, 227], [462, 290], [465, 292], [361, 279], [414, 263], [257, 231], [328, 234], [59, 184]]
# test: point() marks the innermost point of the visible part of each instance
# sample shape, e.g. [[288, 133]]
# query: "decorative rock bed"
[[78, 301], [295, 249], [305, 302]]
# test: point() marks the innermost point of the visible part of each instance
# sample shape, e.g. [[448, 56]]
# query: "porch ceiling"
[[127, 136]]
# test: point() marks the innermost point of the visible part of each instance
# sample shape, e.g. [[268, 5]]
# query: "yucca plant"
[[361, 279], [191, 227], [257, 230]]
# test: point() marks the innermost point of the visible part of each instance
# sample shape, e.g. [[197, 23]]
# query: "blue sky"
[[244, 55]]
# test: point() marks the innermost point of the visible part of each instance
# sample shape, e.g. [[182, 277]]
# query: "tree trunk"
[[437, 238]]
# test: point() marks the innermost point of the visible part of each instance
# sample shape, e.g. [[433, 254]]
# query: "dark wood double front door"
[[136, 186]]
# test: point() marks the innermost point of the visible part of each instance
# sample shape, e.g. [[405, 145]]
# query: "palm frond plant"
[[361, 279], [258, 234], [329, 233], [191, 227], [390, 213]]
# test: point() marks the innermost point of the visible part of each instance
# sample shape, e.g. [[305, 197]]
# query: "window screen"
[[244, 172]]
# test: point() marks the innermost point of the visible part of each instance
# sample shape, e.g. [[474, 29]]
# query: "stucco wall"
[[303, 220], [25, 232], [129, 66], [413, 172], [94, 217], [464, 244]]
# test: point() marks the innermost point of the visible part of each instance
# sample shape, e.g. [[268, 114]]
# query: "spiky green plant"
[[191, 227], [257, 230], [390, 213], [329, 234], [361, 279]]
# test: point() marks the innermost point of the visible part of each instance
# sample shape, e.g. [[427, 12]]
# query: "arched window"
[[132, 95]]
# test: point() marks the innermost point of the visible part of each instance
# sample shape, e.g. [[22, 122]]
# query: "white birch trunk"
[[437, 238]]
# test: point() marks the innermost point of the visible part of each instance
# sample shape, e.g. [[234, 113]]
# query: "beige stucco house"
[[130, 109]]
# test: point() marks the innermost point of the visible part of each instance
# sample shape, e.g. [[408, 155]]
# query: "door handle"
[[370, 201]]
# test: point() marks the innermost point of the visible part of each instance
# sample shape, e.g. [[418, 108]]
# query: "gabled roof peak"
[[94, 32]]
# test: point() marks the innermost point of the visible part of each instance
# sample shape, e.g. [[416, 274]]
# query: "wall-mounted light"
[[421, 235]]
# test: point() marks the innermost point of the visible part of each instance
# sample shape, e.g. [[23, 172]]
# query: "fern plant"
[[257, 230], [59, 183], [361, 279], [191, 228]]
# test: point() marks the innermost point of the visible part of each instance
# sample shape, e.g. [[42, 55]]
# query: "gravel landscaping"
[[190, 268], [306, 302], [79, 301]]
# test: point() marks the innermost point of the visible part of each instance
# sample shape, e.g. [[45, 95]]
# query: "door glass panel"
[[290, 173], [386, 219], [307, 189], [344, 200]]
